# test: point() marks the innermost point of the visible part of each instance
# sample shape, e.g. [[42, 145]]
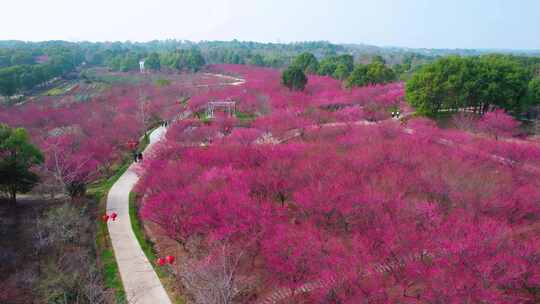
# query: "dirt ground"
[[34, 267], [19, 262]]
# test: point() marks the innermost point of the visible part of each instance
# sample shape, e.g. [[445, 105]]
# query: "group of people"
[[137, 156]]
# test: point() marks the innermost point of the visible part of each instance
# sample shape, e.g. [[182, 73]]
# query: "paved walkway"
[[141, 283]]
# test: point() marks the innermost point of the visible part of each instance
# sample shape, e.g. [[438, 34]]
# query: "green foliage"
[[245, 116], [307, 63], [534, 91], [275, 55], [152, 62], [124, 63], [8, 81], [17, 157], [503, 83], [327, 66], [379, 59], [341, 72], [339, 67], [162, 82], [430, 88], [275, 60], [23, 72], [187, 60], [257, 59], [373, 73], [129, 63], [455, 82], [294, 78]]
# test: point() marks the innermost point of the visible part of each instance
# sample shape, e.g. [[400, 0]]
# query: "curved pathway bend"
[[141, 283]]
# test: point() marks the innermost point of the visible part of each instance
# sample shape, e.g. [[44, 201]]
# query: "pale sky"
[[410, 23]]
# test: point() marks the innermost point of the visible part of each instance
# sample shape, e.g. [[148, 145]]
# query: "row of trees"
[[374, 73], [17, 78], [183, 60], [474, 83], [10, 57], [339, 67]]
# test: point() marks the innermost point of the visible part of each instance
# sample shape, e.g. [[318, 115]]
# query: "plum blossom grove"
[[83, 140], [339, 198]]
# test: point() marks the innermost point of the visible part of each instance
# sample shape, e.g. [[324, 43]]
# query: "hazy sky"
[[412, 23]]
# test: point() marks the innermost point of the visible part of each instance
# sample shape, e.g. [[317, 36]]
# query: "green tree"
[[115, 63], [152, 62], [379, 73], [8, 82], [327, 66], [347, 60], [130, 63], [436, 86], [294, 78], [358, 76], [504, 82], [455, 82], [531, 104], [372, 73], [307, 62], [379, 59], [17, 157], [341, 72], [194, 60], [22, 58], [257, 60], [534, 91]]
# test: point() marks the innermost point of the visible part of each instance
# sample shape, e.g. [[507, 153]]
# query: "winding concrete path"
[[141, 283]]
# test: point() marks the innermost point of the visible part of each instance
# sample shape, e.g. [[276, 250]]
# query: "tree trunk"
[[13, 197]]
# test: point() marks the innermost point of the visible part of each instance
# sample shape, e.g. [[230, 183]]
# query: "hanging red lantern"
[[132, 144], [105, 218], [161, 261], [113, 216], [170, 259]]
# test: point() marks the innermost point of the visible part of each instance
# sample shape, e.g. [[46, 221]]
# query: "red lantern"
[[161, 261], [170, 259], [113, 216], [132, 144], [105, 218]]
